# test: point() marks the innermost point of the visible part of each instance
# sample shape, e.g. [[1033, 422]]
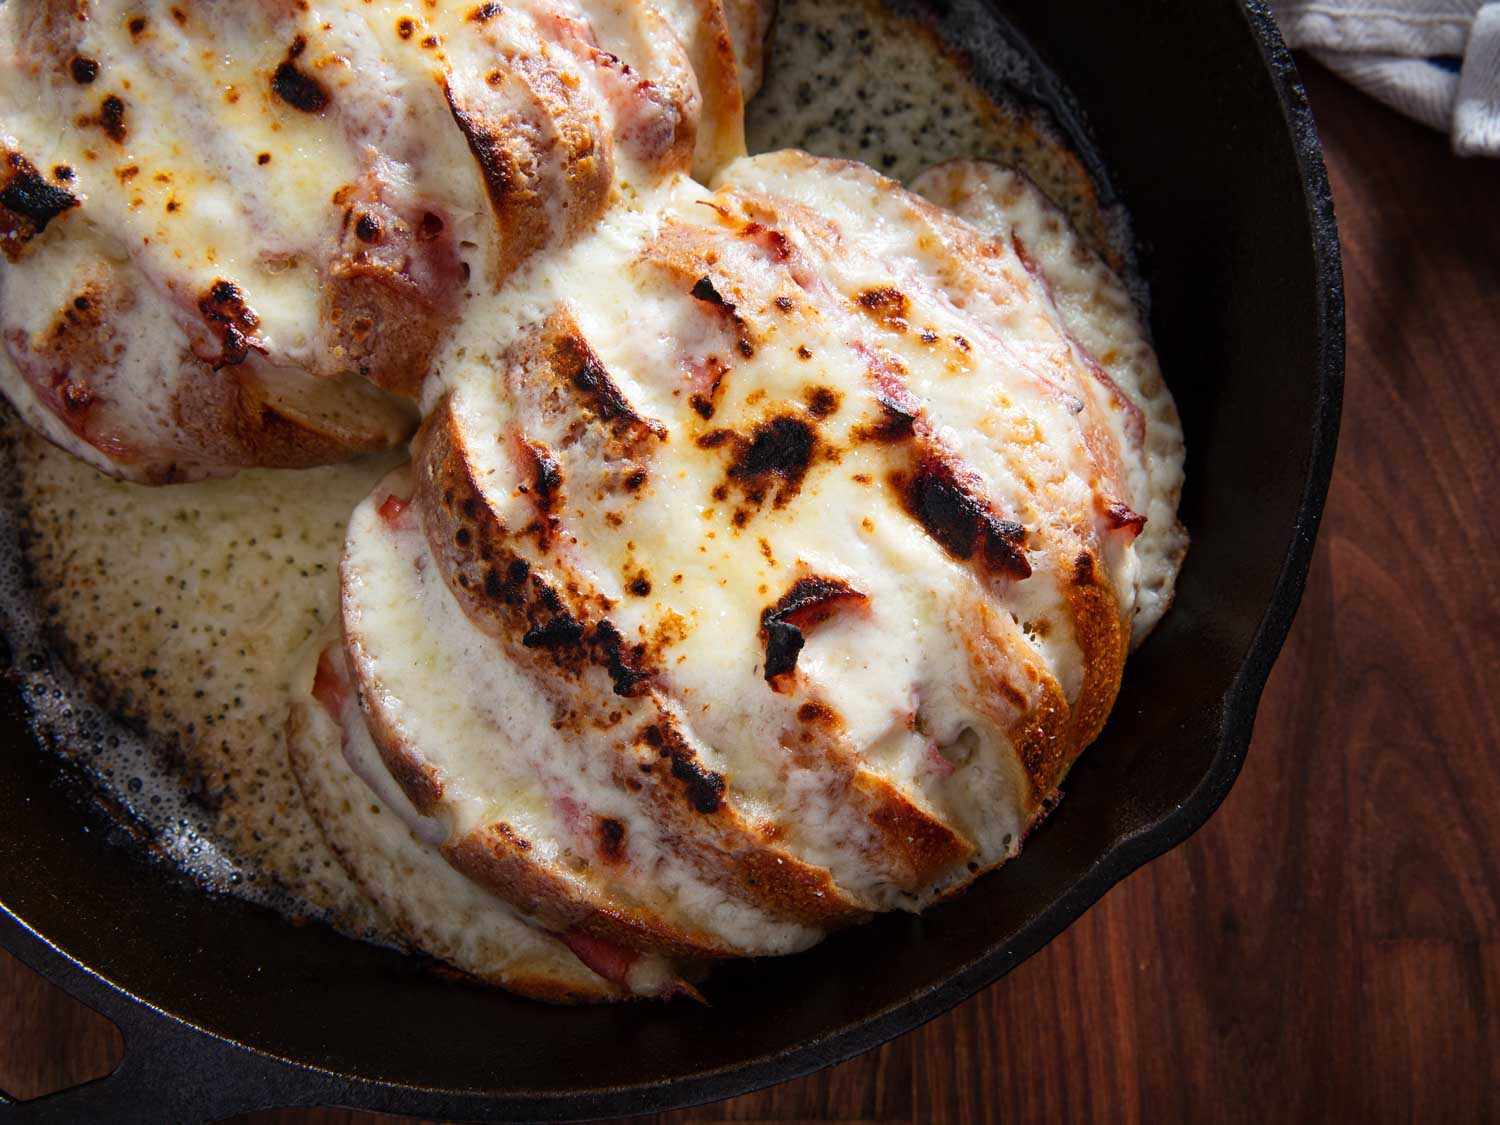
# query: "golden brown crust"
[[497, 857], [1104, 640], [418, 778], [381, 325], [237, 418], [749, 23], [542, 150], [730, 850], [923, 845], [705, 32]]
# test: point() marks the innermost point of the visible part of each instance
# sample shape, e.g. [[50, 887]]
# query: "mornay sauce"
[[154, 628]]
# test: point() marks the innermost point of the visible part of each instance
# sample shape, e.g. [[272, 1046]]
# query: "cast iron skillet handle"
[[174, 1073]]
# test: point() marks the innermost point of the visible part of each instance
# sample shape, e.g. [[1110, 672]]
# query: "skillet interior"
[[1204, 129]]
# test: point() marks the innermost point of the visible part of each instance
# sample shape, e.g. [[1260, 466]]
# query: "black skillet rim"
[[266, 1081]]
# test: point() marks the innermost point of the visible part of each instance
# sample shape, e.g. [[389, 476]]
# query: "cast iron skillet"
[[1198, 112]]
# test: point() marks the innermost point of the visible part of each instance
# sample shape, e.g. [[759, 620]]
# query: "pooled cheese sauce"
[[179, 608]]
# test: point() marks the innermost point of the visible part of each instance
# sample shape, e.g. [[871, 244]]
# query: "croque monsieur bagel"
[[769, 550], [234, 233]]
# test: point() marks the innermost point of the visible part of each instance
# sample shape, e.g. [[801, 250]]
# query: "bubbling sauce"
[[153, 629]]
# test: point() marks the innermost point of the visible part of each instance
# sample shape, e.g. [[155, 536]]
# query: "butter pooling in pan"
[[725, 615]]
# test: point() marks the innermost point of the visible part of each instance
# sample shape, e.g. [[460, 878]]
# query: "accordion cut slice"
[[255, 227], [388, 851], [535, 804]]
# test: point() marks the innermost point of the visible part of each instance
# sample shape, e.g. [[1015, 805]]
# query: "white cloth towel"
[[1435, 60]]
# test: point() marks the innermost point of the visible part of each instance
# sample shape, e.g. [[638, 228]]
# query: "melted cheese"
[[690, 564]]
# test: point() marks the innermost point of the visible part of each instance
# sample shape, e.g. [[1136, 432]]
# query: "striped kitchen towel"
[[1435, 60]]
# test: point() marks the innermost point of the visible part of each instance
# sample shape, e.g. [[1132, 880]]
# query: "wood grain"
[[1327, 948]]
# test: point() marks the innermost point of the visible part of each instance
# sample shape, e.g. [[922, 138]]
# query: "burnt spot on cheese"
[[886, 306], [704, 290], [950, 509], [816, 713], [813, 600], [559, 631], [544, 473], [570, 641], [611, 836], [295, 86], [367, 228], [84, 70], [223, 308], [783, 644], [703, 788], [823, 402], [575, 361], [504, 588], [775, 455], [485, 12], [406, 27], [624, 663], [112, 118], [769, 239], [136, 26], [640, 585], [809, 602], [62, 173], [28, 203], [704, 402], [899, 414]]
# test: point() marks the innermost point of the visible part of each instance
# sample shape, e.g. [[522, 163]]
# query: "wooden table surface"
[[1328, 947]]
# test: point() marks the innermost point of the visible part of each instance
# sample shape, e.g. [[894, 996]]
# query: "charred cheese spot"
[[223, 308], [704, 290], [703, 788], [367, 228], [775, 456], [84, 70], [112, 118], [28, 203], [823, 402], [886, 306], [296, 87], [961, 521], [898, 418], [809, 602], [583, 369], [611, 839]]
